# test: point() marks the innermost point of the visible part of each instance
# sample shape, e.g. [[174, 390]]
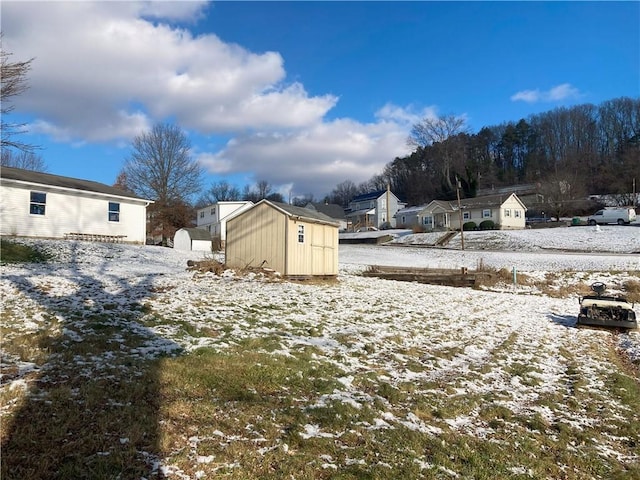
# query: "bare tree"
[[564, 193], [13, 82], [221, 191], [161, 168], [263, 189], [439, 133], [436, 130], [22, 159], [343, 193], [122, 182]]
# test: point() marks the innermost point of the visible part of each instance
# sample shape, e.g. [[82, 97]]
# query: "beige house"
[[507, 212], [294, 241]]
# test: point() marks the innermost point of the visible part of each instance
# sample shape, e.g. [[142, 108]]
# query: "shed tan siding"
[[317, 255], [256, 238], [266, 235]]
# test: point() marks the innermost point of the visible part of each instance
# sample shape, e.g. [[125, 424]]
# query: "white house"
[[35, 204], [213, 218], [192, 239], [370, 209], [507, 212]]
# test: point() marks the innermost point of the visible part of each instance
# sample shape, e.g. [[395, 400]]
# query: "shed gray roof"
[[332, 210], [302, 212], [197, 233], [40, 178]]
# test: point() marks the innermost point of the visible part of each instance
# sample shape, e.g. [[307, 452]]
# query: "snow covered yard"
[[118, 360]]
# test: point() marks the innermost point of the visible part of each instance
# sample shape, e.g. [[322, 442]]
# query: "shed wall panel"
[[256, 238]]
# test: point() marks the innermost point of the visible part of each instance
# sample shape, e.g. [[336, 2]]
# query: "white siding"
[[69, 212], [213, 218], [512, 215]]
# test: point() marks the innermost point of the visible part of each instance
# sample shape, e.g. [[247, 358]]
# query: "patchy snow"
[[470, 340]]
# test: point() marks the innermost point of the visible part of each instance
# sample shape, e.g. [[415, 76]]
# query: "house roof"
[[197, 233], [410, 210], [371, 195], [332, 210], [486, 201], [40, 178], [301, 212]]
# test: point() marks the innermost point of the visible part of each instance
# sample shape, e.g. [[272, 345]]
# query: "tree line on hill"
[[569, 152]]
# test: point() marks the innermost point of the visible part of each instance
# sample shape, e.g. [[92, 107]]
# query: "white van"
[[621, 216]]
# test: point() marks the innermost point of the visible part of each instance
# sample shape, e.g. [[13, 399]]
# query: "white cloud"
[[97, 62], [316, 159], [558, 93], [103, 72]]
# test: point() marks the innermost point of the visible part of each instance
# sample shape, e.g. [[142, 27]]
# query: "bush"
[[469, 226], [487, 225]]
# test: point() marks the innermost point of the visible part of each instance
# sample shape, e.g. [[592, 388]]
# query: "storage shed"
[[294, 241], [192, 239]]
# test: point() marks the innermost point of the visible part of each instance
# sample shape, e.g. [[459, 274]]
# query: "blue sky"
[[304, 95]]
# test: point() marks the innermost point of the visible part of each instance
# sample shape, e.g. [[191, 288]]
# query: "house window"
[[213, 210], [300, 233], [114, 212], [486, 213], [38, 203], [466, 215], [427, 220], [516, 213], [507, 212], [202, 214]]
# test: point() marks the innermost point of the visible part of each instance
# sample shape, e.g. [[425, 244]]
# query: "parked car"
[[621, 216]]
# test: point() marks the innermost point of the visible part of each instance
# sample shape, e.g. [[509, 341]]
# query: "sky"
[[304, 95]]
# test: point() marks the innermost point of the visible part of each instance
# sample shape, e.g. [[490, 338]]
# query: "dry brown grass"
[[632, 290]]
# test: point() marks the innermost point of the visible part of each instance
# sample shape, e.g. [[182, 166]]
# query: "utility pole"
[[460, 212], [388, 207]]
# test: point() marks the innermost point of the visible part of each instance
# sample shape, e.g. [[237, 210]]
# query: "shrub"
[[469, 226], [487, 225]]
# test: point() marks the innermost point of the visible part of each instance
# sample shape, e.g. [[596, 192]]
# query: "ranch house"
[[507, 212], [36, 204]]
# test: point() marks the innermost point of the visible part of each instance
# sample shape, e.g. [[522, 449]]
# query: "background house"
[[192, 239], [332, 210], [505, 211], [213, 218], [407, 217], [370, 210], [36, 204], [295, 241]]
